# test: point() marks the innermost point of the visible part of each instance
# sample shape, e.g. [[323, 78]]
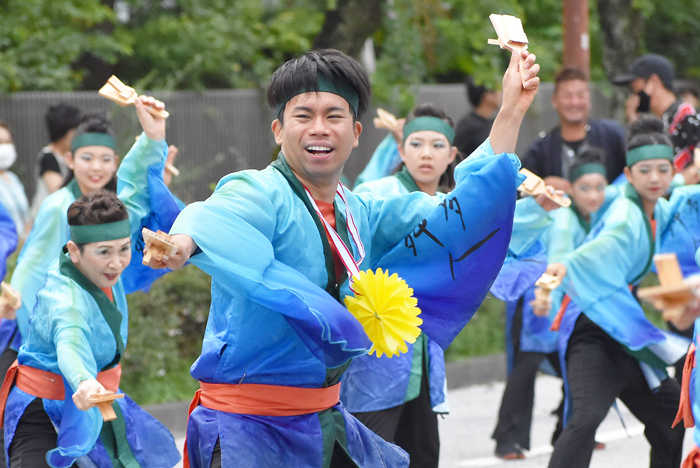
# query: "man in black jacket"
[[551, 156]]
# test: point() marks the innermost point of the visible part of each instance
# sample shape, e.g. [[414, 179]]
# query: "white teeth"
[[318, 148]]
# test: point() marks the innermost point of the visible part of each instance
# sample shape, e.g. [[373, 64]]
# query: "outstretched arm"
[[516, 101]]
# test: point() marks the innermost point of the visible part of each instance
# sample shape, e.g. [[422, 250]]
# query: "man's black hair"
[[302, 73], [61, 119]]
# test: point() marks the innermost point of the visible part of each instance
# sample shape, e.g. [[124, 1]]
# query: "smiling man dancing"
[[279, 243]]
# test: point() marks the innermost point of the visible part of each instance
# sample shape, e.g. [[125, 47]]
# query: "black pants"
[[599, 370], [515, 416], [413, 426], [35, 435]]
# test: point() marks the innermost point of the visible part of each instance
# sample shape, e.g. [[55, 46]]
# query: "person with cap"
[[552, 155], [474, 127], [651, 78], [608, 347], [72, 353], [278, 339]]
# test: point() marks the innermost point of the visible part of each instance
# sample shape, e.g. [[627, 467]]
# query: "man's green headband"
[[326, 85], [644, 153], [93, 139], [88, 233], [588, 168], [429, 123]]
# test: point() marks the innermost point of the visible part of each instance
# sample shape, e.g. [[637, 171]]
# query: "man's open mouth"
[[319, 150]]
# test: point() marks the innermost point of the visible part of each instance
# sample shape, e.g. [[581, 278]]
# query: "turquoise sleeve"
[[384, 160], [45, 241], [529, 223], [132, 179], [71, 335]]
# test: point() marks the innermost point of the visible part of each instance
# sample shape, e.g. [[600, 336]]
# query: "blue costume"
[[372, 383], [8, 239], [605, 334], [76, 332], [276, 318]]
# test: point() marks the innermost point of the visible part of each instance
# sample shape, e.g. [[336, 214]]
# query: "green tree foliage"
[[189, 44], [424, 41], [41, 40]]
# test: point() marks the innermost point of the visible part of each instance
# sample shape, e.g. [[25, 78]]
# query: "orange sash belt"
[[262, 400], [47, 385], [556, 323], [685, 412]]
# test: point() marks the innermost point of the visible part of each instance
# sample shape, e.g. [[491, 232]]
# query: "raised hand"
[[519, 91], [153, 126]]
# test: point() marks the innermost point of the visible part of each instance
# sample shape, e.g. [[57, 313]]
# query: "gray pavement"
[[466, 432]]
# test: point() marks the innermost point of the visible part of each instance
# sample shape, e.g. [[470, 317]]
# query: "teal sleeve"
[[132, 178], [608, 263], [384, 160], [44, 244], [71, 335], [563, 235], [529, 223]]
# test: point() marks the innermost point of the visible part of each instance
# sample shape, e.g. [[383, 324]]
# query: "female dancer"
[[76, 339], [609, 348]]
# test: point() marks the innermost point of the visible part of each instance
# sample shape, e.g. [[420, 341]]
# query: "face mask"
[[7, 156], [644, 102]]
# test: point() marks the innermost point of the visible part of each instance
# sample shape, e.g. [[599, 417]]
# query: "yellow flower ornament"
[[386, 308]]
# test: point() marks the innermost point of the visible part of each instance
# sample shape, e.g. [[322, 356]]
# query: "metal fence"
[[219, 132]]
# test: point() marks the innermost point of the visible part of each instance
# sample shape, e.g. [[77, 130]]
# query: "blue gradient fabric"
[[69, 336], [371, 383], [8, 239], [682, 236], [272, 322]]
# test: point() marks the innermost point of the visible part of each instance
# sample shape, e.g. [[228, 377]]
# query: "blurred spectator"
[[61, 121], [473, 128], [552, 155], [689, 93], [12, 194], [651, 79]]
